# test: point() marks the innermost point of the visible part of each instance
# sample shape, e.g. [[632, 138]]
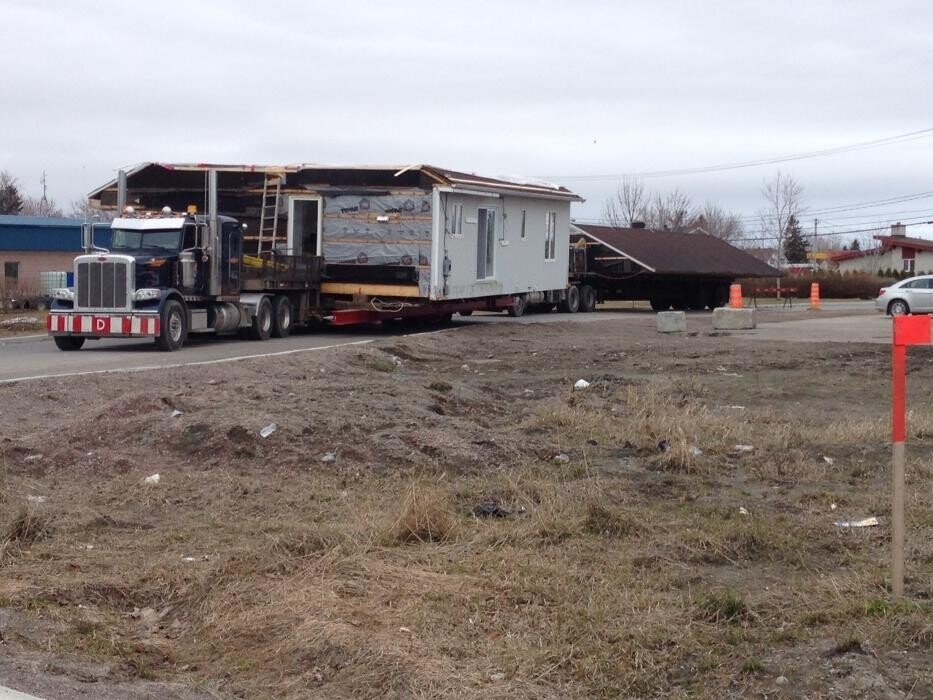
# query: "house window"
[[485, 243], [11, 273], [909, 265], [456, 221], [550, 238], [523, 224]]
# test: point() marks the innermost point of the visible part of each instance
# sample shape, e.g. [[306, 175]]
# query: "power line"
[[901, 199], [847, 232], [875, 143]]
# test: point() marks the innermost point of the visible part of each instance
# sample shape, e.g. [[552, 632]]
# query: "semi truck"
[[334, 245]]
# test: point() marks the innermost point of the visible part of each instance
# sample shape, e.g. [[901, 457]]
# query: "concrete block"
[[672, 322], [726, 319]]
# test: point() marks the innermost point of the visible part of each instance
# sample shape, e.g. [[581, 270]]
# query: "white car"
[[913, 295]]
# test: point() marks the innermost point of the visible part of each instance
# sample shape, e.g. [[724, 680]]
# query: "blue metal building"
[[39, 233]]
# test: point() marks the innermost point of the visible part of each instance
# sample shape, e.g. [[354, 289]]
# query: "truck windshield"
[[130, 240]]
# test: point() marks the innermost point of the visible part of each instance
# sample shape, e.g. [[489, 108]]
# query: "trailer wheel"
[[519, 304], [174, 326], [720, 296], [282, 317], [587, 299], [262, 321], [570, 304], [68, 343]]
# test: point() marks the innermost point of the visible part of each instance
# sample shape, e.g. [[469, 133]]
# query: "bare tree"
[[40, 206], [718, 222], [627, 205], [81, 209], [671, 212], [784, 201]]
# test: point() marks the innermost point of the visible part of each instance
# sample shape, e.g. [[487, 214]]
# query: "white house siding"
[[889, 260], [519, 263]]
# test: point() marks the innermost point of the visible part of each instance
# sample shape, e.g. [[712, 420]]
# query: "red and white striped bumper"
[[125, 325]]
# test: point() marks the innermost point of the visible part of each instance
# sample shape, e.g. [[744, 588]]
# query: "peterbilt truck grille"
[[102, 284]]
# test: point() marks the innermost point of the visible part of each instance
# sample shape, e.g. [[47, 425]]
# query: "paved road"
[[37, 357], [874, 328]]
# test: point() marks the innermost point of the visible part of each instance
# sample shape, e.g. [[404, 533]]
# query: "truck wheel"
[[174, 326], [281, 317], [587, 299], [519, 303], [262, 321], [660, 305], [67, 343], [720, 296], [570, 304]]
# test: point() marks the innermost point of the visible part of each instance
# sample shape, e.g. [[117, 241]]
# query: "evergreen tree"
[[855, 245], [795, 245], [11, 201]]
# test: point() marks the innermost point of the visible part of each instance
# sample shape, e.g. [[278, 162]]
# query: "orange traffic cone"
[[735, 296], [815, 296]]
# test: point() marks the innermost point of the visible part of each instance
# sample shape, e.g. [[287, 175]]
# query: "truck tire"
[[587, 299], [282, 318], [174, 326], [68, 343], [570, 304], [720, 296], [519, 304], [262, 321]]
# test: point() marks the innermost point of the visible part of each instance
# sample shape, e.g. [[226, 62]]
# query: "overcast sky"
[[553, 89]]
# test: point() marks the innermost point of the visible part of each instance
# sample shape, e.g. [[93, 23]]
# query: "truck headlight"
[[64, 294], [146, 294]]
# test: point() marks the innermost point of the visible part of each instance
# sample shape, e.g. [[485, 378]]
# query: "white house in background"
[[897, 251]]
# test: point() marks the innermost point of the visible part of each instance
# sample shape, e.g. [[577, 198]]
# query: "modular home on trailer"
[[256, 249], [417, 232]]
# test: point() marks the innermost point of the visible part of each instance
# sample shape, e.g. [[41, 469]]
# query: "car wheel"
[[898, 307]]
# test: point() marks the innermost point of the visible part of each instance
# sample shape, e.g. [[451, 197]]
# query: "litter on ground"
[[864, 522]]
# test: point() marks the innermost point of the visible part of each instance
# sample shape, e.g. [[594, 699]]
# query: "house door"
[[485, 244], [304, 225]]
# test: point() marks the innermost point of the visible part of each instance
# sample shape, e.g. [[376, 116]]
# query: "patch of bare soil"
[[444, 515]]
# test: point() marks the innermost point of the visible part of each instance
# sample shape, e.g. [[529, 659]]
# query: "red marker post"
[[908, 330]]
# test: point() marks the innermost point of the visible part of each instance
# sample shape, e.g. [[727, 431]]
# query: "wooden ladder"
[[269, 214]]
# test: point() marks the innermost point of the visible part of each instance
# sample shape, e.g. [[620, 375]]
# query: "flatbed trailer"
[[690, 271]]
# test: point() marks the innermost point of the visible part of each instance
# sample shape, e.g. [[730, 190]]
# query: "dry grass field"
[[445, 516]]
